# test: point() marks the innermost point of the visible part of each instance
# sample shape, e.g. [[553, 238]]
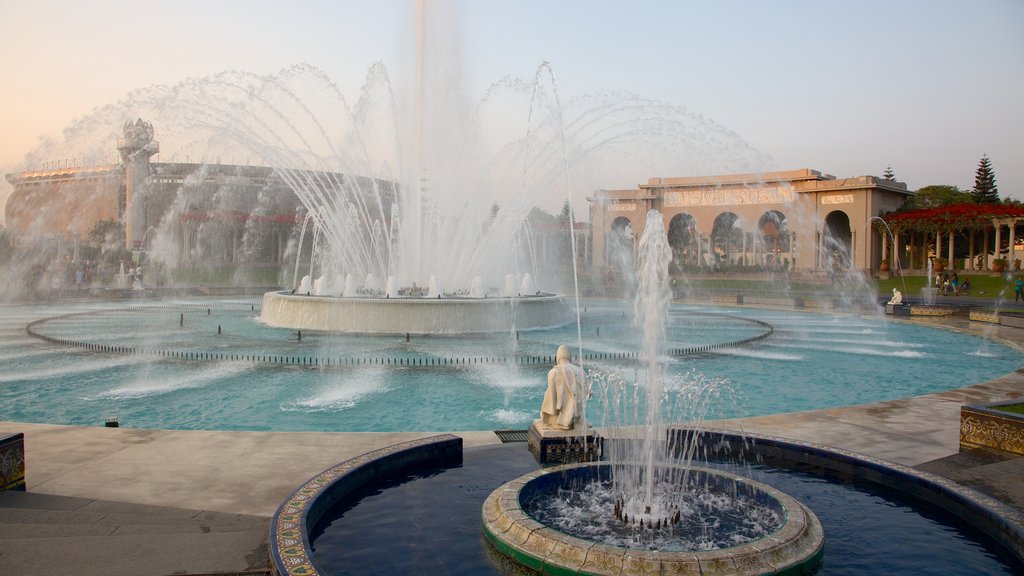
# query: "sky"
[[845, 87]]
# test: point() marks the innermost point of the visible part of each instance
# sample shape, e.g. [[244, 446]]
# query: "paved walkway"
[[250, 473]]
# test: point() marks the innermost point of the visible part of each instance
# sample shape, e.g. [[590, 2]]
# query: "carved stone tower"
[[136, 148]]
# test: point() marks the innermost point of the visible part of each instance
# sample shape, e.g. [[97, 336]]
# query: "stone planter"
[[12, 461], [984, 426]]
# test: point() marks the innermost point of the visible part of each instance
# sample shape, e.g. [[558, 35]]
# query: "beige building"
[[800, 220]]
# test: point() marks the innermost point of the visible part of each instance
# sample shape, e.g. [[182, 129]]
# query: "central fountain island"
[[647, 509], [415, 315]]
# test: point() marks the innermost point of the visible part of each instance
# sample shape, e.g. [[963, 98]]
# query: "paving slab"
[[138, 555]]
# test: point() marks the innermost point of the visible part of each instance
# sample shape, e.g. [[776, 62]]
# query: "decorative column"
[[973, 265], [853, 250], [1013, 242], [136, 148], [950, 259], [897, 254], [999, 239]]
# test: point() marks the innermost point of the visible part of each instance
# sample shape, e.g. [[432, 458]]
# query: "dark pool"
[[428, 522]]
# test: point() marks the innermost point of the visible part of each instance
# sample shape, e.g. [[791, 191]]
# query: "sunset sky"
[[845, 87]]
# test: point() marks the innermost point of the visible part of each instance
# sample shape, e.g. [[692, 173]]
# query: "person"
[[945, 283], [965, 287], [1018, 288], [567, 389], [956, 283]]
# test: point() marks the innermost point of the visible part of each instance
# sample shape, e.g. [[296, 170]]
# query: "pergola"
[[950, 220]]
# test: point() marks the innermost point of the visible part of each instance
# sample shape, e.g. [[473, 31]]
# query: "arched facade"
[[791, 220], [838, 241]]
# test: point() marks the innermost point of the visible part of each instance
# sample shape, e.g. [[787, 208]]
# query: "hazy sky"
[[845, 87]]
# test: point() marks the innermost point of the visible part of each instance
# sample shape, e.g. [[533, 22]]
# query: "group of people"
[[951, 285]]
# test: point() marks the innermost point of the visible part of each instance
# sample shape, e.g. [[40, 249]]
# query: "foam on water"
[[180, 381], [790, 337], [823, 330], [15, 354], [762, 354], [507, 378], [856, 350], [341, 392], [509, 417], [63, 370]]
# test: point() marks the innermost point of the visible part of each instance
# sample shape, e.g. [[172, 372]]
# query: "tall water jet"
[[654, 294], [648, 506]]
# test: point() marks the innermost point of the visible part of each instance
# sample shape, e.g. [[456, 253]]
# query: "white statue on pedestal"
[[567, 389], [897, 297]]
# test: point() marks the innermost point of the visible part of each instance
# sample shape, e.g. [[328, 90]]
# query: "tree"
[[106, 232], [564, 216], [889, 174], [985, 190], [934, 196]]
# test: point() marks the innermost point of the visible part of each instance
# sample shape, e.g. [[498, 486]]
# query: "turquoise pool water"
[[810, 361]]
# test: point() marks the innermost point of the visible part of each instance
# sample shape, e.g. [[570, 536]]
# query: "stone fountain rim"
[[797, 544], [422, 299]]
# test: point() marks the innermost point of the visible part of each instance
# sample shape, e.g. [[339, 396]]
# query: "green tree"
[[889, 174], [106, 232], [936, 195], [566, 213], [985, 190]]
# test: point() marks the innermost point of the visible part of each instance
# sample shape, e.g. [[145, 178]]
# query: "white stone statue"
[[567, 389], [897, 297]]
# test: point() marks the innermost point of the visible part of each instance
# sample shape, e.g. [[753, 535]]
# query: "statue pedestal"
[[897, 309], [563, 446]]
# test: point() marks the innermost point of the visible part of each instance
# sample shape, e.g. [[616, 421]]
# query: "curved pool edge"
[[999, 521], [291, 550]]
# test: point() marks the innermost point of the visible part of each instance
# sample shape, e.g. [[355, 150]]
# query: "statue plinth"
[[550, 446]]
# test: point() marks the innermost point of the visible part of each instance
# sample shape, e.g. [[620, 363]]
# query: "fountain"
[[647, 506], [929, 290]]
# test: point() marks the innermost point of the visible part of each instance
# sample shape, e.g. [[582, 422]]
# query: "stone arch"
[[726, 237], [837, 241], [684, 241], [621, 240], [774, 238]]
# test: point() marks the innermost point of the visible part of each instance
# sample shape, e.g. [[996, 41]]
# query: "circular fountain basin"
[[414, 315], [796, 546]]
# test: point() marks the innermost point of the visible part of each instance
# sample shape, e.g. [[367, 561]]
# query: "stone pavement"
[[215, 474]]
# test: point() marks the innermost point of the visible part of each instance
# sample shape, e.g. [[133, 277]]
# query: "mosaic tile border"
[[12, 461], [1001, 522], [290, 547], [984, 426]]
